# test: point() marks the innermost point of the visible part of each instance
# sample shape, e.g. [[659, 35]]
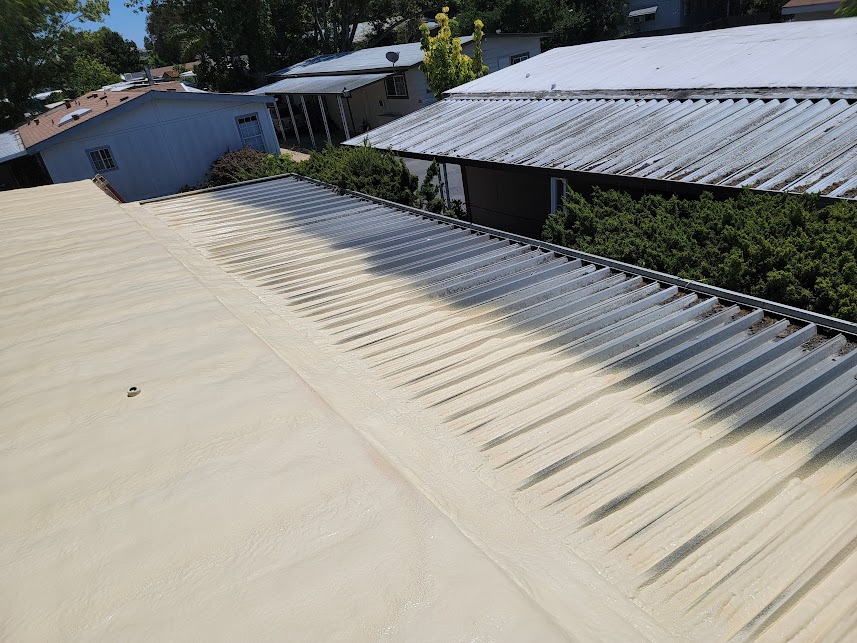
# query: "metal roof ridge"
[[765, 93], [823, 321]]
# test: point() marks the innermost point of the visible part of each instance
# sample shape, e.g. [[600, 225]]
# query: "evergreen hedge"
[[365, 169], [780, 247]]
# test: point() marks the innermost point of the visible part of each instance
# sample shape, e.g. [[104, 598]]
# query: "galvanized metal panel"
[[320, 84], [696, 451], [792, 145], [793, 54], [11, 146], [370, 59]]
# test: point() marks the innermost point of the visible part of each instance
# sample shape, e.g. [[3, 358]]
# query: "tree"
[[161, 41], [231, 38], [444, 65], [31, 33], [87, 74], [569, 22], [111, 49], [104, 45]]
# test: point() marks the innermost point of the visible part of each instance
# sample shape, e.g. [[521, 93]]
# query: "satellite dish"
[[393, 57]]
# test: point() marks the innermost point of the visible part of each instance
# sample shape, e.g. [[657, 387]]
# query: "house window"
[[396, 86], [650, 17], [559, 190], [519, 58], [101, 159], [251, 132]]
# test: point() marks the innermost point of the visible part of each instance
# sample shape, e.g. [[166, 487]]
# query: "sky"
[[131, 25]]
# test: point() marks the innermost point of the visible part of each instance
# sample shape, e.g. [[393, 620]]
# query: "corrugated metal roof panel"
[[11, 146], [643, 12], [702, 455], [792, 54], [319, 84], [371, 59], [776, 144]]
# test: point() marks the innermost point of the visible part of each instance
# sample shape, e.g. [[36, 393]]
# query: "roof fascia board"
[[12, 157], [138, 101], [349, 72], [535, 34], [617, 180]]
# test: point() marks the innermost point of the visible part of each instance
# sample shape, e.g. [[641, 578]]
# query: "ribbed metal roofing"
[[370, 59], [320, 84], [792, 54], [702, 455], [11, 146], [788, 145]]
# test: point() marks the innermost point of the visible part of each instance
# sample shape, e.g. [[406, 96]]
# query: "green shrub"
[[779, 247], [363, 169], [240, 165]]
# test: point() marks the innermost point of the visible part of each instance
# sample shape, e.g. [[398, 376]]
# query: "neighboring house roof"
[[160, 72], [794, 54], [643, 12], [56, 122], [320, 84], [789, 145], [228, 499], [45, 95], [363, 60], [11, 146], [685, 443]]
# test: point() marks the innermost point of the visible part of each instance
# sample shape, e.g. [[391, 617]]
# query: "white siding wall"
[[498, 50], [371, 102], [159, 146]]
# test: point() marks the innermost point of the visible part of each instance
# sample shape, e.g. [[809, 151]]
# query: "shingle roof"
[[701, 454], [789, 145], [44, 126], [55, 122], [159, 72]]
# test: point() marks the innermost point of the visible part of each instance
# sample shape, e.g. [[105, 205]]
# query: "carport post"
[[445, 183], [308, 124], [280, 121], [292, 116], [324, 117], [342, 116]]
